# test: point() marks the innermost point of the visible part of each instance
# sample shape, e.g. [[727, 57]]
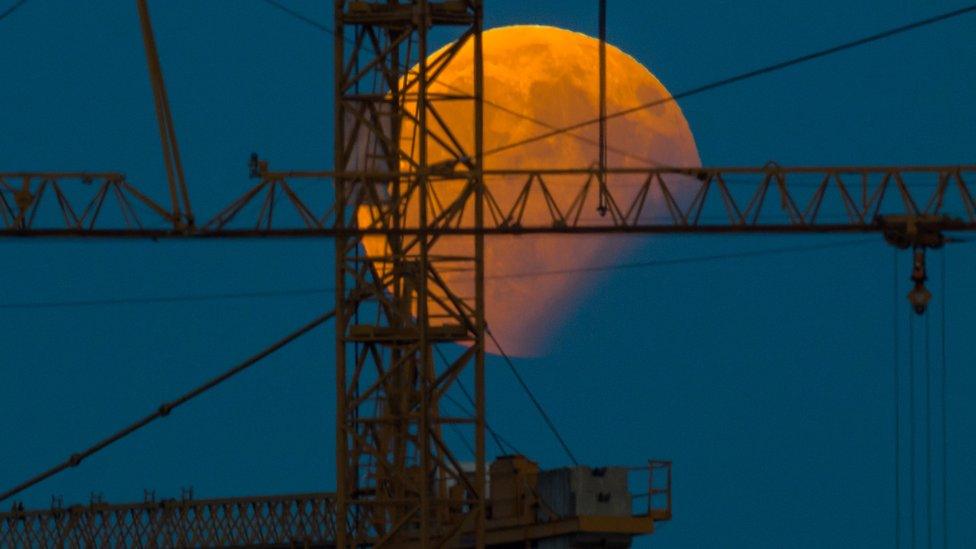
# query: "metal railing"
[[658, 494]]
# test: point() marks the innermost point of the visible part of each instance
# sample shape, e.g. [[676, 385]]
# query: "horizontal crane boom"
[[769, 199]]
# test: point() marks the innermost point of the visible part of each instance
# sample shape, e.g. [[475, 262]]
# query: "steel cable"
[[163, 299], [897, 399], [535, 401], [166, 408], [488, 428], [490, 103], [944, 401], [6, 13], [500, 441], [911, 426], [697, 90], [928, 432], [528, 274], [749, 74]]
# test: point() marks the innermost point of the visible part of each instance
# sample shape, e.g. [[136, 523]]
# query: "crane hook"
[[919, 296]]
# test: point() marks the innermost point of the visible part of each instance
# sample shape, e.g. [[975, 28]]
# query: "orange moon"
[[537, 78]]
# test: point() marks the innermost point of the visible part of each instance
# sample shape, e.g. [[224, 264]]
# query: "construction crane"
[[399, 482]]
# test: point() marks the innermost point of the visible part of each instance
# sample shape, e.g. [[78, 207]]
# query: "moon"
[[537, 78]]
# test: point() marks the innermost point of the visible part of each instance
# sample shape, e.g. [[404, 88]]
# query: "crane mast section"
[[398, 481]]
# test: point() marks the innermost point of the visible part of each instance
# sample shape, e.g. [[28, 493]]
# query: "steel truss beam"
[[77, 203], [299, 520], [652, 200]]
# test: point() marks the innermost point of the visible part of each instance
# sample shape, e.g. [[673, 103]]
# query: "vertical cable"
[[602, 208], [897, 399], [928, 433], [911, 425], [942, 393]]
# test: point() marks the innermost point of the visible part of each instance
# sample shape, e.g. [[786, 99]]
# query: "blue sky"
[[768, 380]]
